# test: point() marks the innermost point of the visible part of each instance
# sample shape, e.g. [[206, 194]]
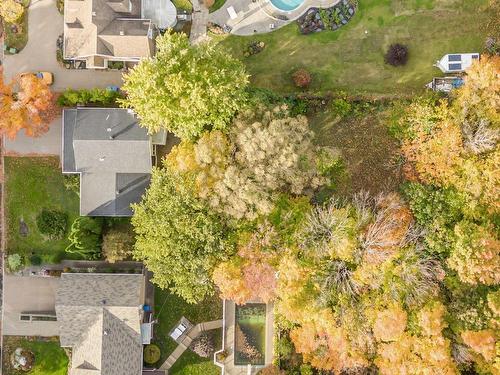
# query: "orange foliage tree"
[[31, 109]]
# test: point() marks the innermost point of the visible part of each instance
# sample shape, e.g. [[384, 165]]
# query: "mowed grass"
[[31, 185], [50, 358], [352, 58], [169, 309]]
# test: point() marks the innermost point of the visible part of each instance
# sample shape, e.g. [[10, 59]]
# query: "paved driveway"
[[45, 24], [29, 294]]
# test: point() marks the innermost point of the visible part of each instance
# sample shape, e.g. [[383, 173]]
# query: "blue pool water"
[[286, 5]]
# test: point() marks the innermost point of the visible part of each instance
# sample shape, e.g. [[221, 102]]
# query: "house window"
[[27, 317]]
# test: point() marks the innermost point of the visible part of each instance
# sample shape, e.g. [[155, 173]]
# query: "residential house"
[[113, 156], [99, 316], [99, 31]]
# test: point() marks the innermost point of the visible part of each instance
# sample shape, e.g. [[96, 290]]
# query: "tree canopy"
[[179, 239], [186, 89], [31, 109]]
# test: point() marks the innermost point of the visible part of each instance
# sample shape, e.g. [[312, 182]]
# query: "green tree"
[[179, 239], [85, 237], [186, 89]]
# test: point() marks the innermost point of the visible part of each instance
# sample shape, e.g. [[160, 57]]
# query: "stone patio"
[[260, 16]]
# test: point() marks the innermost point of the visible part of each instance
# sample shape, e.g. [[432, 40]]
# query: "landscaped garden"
[[32, 185], [351, 58], [169, 309], [43, 356]]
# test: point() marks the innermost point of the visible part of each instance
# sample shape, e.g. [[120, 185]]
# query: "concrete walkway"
[[261, 16], [188, 339], [45, 24], [199, 22]]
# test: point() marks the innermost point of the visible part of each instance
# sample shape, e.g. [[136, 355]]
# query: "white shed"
[[456, 62]]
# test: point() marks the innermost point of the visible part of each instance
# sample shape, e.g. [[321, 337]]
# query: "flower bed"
[[319, 19]]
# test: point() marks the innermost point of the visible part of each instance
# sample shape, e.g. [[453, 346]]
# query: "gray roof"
[[100, 320], [113, 155], [161, 12]]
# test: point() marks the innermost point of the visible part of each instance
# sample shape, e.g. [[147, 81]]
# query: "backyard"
[[351, 58], [50, 359], [32, 184], [169, 308]]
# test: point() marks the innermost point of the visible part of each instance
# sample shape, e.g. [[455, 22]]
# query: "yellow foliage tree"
[[11, 10]]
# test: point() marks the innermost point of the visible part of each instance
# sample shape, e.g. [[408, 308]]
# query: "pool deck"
[[228, 367], [261, 16]]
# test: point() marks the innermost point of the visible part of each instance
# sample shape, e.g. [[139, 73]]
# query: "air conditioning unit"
[[122, 32]]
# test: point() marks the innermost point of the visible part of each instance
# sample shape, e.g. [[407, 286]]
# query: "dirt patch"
[[366, 147]]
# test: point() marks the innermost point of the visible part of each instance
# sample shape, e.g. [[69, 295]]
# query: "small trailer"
[[445, 84]]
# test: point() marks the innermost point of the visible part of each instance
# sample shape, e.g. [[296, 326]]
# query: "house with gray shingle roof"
[[99, 31], [100, 319], [113, 156]]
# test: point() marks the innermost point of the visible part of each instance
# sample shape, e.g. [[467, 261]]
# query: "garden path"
[[199, 22], [188, 339]]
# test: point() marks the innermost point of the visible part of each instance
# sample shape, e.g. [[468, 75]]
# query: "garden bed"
[[333, 18]]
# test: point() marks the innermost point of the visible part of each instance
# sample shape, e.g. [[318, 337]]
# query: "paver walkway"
[[188, 339], [199, 22]]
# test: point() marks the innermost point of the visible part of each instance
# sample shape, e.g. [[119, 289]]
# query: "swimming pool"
[[287, 5]]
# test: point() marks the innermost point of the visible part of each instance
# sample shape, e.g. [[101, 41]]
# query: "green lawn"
[[170, 309], [183, 5], [50, 359], [351, 58], [217, 4], [31, 185]]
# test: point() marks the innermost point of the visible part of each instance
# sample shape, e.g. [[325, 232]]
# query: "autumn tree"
[[186, 89], [30, 109], [11, 10], [178, 237], [249, 274], [242, 174], [118, 243]]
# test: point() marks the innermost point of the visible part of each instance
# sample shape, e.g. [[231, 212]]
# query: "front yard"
[[32, 184], [352, 59], [169, 308], [50, 359]]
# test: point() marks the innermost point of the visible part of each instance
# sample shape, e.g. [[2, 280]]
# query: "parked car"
[[47, 77]]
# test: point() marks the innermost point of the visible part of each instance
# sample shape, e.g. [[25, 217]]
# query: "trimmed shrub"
[[284, 347], [14, 261], [72, 183], [52, 223], [85, 237], [152, 354], [118, 243], [396, 55], [102, 97], [302, 78], [35, 260]]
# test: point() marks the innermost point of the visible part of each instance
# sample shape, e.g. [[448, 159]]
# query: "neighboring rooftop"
[[112, 154], [100, 30], [100, 319]]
